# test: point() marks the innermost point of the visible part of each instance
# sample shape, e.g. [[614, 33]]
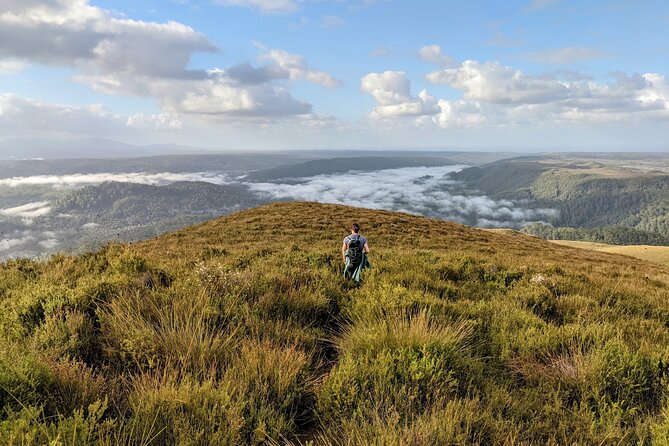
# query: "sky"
[[513, 75]]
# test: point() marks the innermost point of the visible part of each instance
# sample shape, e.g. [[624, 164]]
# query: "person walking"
[[354, 253]]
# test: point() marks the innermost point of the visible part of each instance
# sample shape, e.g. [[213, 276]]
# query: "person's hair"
[[355, 227]]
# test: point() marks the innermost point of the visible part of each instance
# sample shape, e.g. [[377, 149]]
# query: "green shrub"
[[628, 379], [185, 412], [70, 334], [30, 426], [276, 388]]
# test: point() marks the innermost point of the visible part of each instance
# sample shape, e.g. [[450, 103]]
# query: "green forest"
[[612, 235], [599, 203]]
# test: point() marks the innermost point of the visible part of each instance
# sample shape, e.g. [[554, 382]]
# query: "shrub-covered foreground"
[[242, 331]]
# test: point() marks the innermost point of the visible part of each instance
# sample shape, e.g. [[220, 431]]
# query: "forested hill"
[[242, 330], [587, 194]]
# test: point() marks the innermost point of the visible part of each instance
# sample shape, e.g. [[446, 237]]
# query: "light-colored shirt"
[[363, 240]]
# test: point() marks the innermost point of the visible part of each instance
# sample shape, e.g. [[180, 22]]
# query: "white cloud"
[[282, 65], [419, 190], [15, 240], [433, 54], [27, 118], [220, 96], [566, 56], [266, 6], [296, 67], [511, 96], [497, 83], [49, 240], [83, 179], [392, 92], [459, 114], [139, 58], [160, 121], [287, 6], [29, 210], [11, 66], [74, 33], [25, 243]]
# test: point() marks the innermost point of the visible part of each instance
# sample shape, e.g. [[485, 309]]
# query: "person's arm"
[[366, 248], [344, 247]]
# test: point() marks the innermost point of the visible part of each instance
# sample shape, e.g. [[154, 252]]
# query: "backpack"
[[355, 250]]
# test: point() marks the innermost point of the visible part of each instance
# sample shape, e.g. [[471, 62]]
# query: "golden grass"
[[655, 254], [242, 330], [607, 169]]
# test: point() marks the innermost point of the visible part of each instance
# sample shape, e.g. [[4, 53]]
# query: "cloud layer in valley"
[[417, 190], [26, 243], [83, 179], [29, 210]]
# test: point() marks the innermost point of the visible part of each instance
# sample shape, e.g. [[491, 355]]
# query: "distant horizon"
[[190, 150]]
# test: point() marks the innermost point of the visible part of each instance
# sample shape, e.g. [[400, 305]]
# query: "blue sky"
[[277, 74]]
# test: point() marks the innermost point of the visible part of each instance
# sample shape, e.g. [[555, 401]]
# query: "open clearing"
[[656, 254]]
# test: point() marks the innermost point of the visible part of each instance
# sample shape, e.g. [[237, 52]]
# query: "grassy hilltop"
[[242, 331]]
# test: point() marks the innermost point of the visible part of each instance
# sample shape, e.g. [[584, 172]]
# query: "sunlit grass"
[[243, 331]]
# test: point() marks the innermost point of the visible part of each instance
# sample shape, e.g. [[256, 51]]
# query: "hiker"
[[354, 252]]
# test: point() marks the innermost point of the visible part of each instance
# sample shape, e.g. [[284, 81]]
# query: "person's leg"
[[348, 272]]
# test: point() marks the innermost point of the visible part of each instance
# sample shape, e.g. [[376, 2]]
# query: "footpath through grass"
[[242, 331]]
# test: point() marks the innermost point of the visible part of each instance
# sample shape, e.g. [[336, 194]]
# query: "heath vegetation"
[[242, 330]]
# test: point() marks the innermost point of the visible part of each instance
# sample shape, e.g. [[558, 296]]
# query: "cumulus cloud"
[[433, 54], [566, 56], [460, 114], [83, 179], [220, 96], [74, 33], [497, 83], [508, 95], [29, 210], [418, 190], [296, 67], [133, 57], [282, 65], [392, 92]]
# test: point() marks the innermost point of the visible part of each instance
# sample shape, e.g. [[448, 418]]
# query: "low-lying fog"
[[51, 222]]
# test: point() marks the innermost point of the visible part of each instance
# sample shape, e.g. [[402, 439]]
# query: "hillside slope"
[[587, 193], [241, 330]]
